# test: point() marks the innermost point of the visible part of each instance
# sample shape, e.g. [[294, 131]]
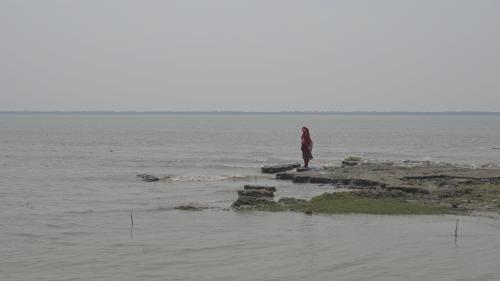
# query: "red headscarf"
[[306, 138]]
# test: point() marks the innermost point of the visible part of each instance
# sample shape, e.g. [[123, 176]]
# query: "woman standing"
[[306, 147]]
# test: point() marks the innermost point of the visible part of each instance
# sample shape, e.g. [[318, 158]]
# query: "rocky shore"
[[411, 187]]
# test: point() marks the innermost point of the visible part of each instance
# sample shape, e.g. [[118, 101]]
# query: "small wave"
[[26, 235], [119, 245], [85, 212], [160, 209], [227, 166], [53, 225], [215, 247], [75, 233]]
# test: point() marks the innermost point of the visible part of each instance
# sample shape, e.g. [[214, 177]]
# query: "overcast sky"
[[421, 55]]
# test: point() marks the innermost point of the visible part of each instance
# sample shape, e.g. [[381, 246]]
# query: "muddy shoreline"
[[445, 187]]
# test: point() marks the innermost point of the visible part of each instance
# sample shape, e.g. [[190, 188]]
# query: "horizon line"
[[308, 112]]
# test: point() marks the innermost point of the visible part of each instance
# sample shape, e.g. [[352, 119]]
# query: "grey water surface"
[[68, 186]]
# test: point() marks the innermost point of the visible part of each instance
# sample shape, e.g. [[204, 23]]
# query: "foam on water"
[[212, 178]]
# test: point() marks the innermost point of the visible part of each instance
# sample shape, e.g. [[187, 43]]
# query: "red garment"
[[307, 145], [306, 138]]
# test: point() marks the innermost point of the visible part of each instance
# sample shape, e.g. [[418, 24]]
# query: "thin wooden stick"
[[131, 219]]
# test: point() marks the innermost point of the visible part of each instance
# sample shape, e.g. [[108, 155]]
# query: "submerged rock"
[[148, 178], [189, 208], [244, 200], [259, 187], [256, 193], [284, 176], [279, 168]]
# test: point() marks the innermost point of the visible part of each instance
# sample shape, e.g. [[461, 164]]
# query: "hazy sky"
[[421, 55]]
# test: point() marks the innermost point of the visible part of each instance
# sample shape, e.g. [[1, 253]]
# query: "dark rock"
[[351, 183], [430, 177], [408, 189], [284, 176], [259, 187], [279, 168], [344, 182], [243, 201], [301, 179], [188, 208], [321, 180], [148, 178], [248, 201], [255, 193]]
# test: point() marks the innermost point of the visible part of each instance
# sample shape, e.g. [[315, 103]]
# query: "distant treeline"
[[250, 112]]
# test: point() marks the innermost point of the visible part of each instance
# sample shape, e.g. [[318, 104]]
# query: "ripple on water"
[[75, 233], [26, 235]]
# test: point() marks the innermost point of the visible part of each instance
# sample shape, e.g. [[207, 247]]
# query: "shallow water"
[[226, 245], [67, 187]]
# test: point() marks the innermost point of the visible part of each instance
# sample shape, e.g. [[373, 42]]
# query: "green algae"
[[345, 203]]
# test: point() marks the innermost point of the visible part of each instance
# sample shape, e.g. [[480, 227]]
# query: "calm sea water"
[[68, 185]]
